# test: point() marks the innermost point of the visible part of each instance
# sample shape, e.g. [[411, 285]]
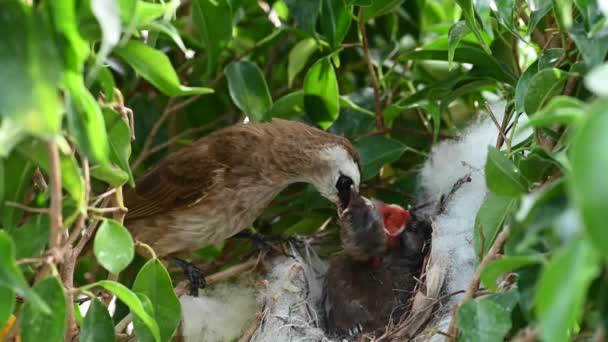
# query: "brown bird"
[[358, 289], [218, 186]]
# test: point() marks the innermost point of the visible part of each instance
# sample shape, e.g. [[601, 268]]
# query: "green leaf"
[[376, 151], [213, 19], [76, 49], [543, 86], [595, 80], [107, 13], [522, 86], [7, 303], [456, 33], [504, 14], [31, 238], [496, 268], [120, 141], [539, 9], [489, 220], [71, 179], [468, 11], [485, 64], [381, 7], [335, 21], [588, 183], [248, 89], [169, 30], [563, 11], [105, 79], [360, 2], [592, 48], [85, 119], [30, 71], [486, 319], [109, 174], [113, 246], [304, 13], [321, 94], [11, 277], [155, 67], [288, 106], [154, 282], [36, 325], [16, 173], [562, 288], [97, 325], [502, 176], [298, 57], [131, 300], [562, 110], [549, 57]]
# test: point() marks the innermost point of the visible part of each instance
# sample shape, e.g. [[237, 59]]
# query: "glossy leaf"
[[66, 23], [248, 89], [539, 9], [213, 19], [305, 13], [549, 57], [156, 68], [593, 48], [335, 21], [489, 221], [381, 7], [521, 90], [120, 141], [486, 319], [288, 106], [31, 237], [7, 303], [321, 95], [30, 70], [36, 325], [596, 80], [71, 179], [107, 13], [588, 184], [496, 268], [113, 246], [562, 288], [561, 110], [15, 172], [298, 57], [154, 282], [543, 86], [502, 176], [110, 174], [97, 325], [131, 300], [468, 11], [376, 151], [11, 277], [456, 33], [86, 120]]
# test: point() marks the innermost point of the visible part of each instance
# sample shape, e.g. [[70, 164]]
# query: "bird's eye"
[[344, 186]]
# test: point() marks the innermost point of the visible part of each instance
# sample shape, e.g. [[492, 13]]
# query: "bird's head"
[[395, 219], [339, 175]]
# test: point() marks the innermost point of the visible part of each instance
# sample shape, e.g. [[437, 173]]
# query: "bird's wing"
[[177, 182]]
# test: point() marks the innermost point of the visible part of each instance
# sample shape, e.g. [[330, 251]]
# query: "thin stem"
[[27, 208], [55, 209], [372, 71]]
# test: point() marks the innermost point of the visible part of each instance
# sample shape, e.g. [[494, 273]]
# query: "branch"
[[474, 285], [55, 209], [27, 208], [372, 72]]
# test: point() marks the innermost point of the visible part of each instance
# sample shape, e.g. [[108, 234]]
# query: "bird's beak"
[[395, 219]]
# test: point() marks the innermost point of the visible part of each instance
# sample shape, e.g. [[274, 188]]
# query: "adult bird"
[[218, 186]]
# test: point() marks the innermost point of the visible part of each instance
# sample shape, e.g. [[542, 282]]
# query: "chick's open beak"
[[395, 218]]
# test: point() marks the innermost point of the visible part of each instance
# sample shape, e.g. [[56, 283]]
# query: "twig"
[[372, 72], [102, 196], [474, 285], [501, 131], [107, 210], [253, 327], [55, 209], [122, 325], [27, 208], [504, 127]]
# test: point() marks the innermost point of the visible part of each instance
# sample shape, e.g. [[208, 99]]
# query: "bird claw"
[[355, 331], [194, 274]]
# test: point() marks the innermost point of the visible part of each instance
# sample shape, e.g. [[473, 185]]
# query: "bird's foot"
[[355, 331], [194, 274], [265, 243]]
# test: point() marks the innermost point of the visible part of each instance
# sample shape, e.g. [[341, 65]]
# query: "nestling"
[[218, 186], [358, 288]]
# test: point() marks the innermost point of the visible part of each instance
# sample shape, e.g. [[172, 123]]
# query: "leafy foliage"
[[113, 86]]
